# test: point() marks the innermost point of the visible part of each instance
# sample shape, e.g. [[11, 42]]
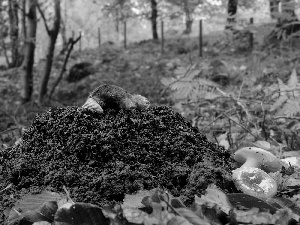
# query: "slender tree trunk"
[[231, 10], [53, 33], [287, 24], [288, 11], [117, 20], [63, 28], [27, 80], [4, 30], [63, 37], [23, 18], [188, 17], [14, 32], [274, 8], [188, 25], [154, 19], [23, 28]]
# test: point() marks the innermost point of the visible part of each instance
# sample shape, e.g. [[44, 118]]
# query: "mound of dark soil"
[[100, 157]]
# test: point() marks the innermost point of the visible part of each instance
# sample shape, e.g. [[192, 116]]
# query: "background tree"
[[10, 34], [14, 32], [23, 31], [63, 33], [52, 33], [63, 27], [188, 7], [149, 10], [287, 21], [4, 30], [231, 11], [288, 11], [30, 41], [120, 10], [274, 8], [154, 15], [145, 9]]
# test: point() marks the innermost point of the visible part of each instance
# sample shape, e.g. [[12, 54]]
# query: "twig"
[[7, 187], [240, 91], [216, 119], [229, 135], [287, 117], [241, 126], [169, 205], [15, 128], [71, 44], [21, 9], [44, 18]]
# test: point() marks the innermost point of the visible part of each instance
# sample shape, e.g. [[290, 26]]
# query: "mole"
[[113, 97]]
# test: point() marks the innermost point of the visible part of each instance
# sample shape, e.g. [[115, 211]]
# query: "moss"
[[100, 157]]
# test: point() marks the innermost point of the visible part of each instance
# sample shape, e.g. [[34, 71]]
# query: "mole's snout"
[[91, 104]]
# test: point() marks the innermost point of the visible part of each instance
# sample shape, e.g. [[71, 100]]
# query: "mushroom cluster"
[[252, 177]]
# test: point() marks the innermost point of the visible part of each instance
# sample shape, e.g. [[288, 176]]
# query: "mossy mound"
[[101, 157]]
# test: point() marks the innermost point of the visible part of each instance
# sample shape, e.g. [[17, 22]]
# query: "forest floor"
[[234, 98]]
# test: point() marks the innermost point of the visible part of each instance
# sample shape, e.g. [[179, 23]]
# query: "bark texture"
[[154, 19], [188, 17], [14, 32], [231, 10], [53, 33], [27, 79]]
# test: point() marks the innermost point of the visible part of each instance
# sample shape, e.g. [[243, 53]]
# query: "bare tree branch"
[[44, 18], [70, 48]]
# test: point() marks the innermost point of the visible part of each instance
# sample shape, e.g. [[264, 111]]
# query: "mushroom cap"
[[266, 160], [254, 182]]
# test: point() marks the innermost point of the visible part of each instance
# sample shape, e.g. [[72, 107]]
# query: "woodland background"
[[236, 79]]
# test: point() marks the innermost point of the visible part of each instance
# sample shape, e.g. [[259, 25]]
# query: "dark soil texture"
[[102, 157]]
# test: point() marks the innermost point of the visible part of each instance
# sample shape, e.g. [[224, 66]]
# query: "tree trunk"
[[117, 20], [274, 8], [63, 29], [53, 33], [231, 10], [188, 17], [154, 19], [288, 11], [14, 32], [23, 27], [27, 80], [287, 25], [63, 37], [188, 26]]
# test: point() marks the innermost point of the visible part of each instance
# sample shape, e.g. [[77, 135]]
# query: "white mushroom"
[[255, 182], [251, 177], [258, 158]]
